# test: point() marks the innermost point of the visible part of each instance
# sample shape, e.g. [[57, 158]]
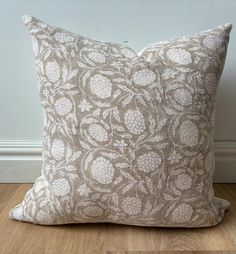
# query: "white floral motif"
[[35, 46], [85, 106], [93, 211], [60, 187], [209, 162], [44, 218], [131, 205], [26, 19], [201, 106], [183, 181], [71, 168], [121, 145], [149, 162], [52, 71], [183, 97], [40, 184], [97, 57], [101, 86], [49, 168], [117, 64], [144, 77], [134, 121], [200, 187], [182, 214], [174, 157], [98, 132], [212, 42], [63, 106], [63, 37], [84, 190], [189, 133], [128, 53], [180, 56], [45, 93], [57, 149], [168, 73], [102, 170], [210, 82]]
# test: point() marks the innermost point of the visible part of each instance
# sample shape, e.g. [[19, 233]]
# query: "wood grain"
[[19, 237]]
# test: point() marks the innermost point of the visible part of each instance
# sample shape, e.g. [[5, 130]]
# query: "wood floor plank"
[[23, 238], [6, 191]]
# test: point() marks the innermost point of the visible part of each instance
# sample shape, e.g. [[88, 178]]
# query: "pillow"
[[128, 139]]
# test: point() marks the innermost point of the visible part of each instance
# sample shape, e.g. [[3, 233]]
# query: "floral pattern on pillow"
[[127, 139]]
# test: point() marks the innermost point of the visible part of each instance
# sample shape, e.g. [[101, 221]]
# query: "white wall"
[[137, 21]]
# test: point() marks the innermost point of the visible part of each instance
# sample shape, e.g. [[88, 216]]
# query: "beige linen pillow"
[[127, 139]]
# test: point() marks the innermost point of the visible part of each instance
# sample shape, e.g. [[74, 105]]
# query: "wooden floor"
[[18, 237]]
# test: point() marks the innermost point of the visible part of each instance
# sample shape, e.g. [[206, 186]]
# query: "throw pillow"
[[128, 139]]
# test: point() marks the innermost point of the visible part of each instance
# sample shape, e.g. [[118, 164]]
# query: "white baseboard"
[[20, 161]]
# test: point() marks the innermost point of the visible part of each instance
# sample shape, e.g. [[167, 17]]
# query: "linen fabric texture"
[[128, 138]]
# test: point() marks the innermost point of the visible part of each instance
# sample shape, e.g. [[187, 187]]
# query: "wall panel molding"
[[21, 161]]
